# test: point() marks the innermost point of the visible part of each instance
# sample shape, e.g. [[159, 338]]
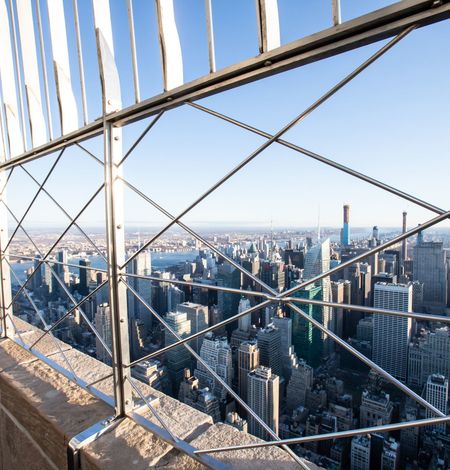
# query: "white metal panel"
[[8, 82], [170, 46], [66, 98], [268, 25], [31, 72], [112, 100]]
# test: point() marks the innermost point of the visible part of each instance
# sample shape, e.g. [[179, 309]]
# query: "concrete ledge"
[[41, 410]]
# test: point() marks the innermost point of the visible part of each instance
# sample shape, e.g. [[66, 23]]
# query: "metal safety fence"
[[22, 144]]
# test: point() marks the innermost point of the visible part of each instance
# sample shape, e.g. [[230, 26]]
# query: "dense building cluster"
[[292, 375]]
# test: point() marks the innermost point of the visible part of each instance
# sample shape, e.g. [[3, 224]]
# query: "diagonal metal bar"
[[370, 310], [56, 242], [199, 237], [88, 152], [320, 158], [41, 186], [6, 182], [139, 139], [69, 312], [152, 409], [282, 295], [333, 435], [200, 333], [88, 238], [393, 241], [213, 373], [64, 287], [54, 261], [279, 134], [39, 314], [137, 96], [230, 290], [366, 360], [101, 379]]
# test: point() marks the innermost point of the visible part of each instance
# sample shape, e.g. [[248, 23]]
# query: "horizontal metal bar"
[[366, 29], [198, 237], [333, 435], [320, 158], [60, 263], [360, 308], [230, 290]]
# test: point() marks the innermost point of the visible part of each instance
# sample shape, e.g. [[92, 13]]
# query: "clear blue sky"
[[391, 122]]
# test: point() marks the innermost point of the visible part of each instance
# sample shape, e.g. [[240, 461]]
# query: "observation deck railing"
[[30, 88]]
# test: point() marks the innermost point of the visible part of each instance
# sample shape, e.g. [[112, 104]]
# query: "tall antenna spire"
[[318, 225]]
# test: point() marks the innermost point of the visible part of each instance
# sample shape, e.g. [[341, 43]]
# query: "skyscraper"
[[263, 398], [198, 316], [430, 268], [360, 453], [178, 358], [248, 360], [269, 344], [436, 393], [246, 320], [392, 334], [300, 382], [85, 277], [345, 231], [216, 352], [103, 326]]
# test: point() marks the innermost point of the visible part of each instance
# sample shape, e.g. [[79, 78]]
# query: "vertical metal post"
[[116, 257], [5, 281], [336, 12]]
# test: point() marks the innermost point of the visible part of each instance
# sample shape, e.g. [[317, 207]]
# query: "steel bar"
[[230, 290], [115, 239], [69, 312], [96, 381], [279, 297], [213, 373], [6, 182], [39, 314], [19, 77], [137, 96], [80, 62], [336, 6], [327, 95], [360, 308], [323, 159], [88, 238], [366, 29], [41, 186], [54, 261], [210, 33], [333, 435], [139, 139], [200, 333], [393, 241], [367, 361], [151, 408], [200, 238], [44, 71], [89, 153], [72, 299], [57, 241]]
